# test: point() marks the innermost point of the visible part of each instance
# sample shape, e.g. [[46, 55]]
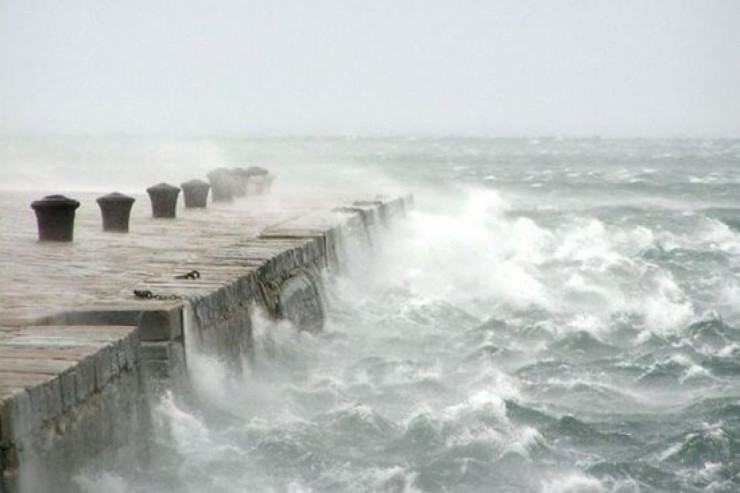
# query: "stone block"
[[85, 378], [67, 387], [20, 413], [163, 359], [102, 368], [6, 421], [161, 325], [52, 399], [301, 304]]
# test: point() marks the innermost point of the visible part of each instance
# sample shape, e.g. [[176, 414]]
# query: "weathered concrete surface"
[[301, 302], [55, 384], [71, 320]]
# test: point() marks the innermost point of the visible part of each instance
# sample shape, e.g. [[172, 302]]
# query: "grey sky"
[[296, 67]]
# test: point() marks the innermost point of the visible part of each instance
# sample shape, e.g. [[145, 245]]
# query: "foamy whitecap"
[[573, 483], [189, 432], [107, 482], [666, 308]]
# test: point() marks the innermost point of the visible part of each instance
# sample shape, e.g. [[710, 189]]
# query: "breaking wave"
[[498, 340]]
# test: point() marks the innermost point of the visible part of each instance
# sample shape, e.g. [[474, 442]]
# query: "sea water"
[[554, 316]]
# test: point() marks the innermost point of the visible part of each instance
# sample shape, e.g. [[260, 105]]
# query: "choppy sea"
[[555, 315]]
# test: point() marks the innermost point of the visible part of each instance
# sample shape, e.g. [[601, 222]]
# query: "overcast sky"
[[372, 67]]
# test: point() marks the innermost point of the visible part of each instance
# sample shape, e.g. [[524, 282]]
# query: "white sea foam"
[[573, 483], [189, 433], [105, 481]]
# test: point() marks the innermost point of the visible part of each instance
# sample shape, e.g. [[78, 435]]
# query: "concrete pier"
[[78, 346]]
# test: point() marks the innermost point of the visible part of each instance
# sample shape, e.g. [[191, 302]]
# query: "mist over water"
[[555, 316]]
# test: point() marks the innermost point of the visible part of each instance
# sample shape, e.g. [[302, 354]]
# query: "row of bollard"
[[55, 214]]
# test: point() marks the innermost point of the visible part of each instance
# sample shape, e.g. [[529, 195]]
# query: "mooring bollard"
[[222, 184], [164, 199], [116, 210], [55, 216], [195, 193], [241, 176], [258, 178], [256, 171]]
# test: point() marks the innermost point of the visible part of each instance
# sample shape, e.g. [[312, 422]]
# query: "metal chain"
[[193, 274], [146, 294]]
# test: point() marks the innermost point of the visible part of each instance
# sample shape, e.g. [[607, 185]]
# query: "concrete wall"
[[86, 395]]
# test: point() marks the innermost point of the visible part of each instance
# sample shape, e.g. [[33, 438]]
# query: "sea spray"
[[559, 316]]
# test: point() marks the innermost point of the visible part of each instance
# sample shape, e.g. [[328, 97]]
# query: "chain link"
[[146, 294], [193, 274]]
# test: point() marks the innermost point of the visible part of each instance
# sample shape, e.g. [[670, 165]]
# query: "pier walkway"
[[72, 331]]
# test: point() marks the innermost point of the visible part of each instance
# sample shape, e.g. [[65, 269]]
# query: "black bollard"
[[257, 179], [222, 184], [256, 170], [195, 193], [116, 210], [55, 216], [241, 176], [164, 199]]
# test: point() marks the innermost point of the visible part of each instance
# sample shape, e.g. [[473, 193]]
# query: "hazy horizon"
[[328, 136], [564, 68]]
